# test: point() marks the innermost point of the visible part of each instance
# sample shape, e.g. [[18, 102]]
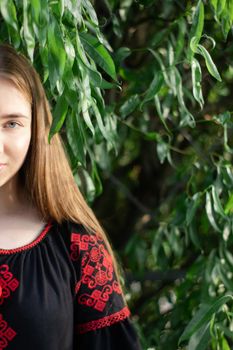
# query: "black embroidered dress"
[[60, 293]]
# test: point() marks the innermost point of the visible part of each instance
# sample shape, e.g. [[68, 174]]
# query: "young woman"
[[59, 287]]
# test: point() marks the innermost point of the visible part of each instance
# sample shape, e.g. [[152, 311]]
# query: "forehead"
[[18, 82], [12, 99]]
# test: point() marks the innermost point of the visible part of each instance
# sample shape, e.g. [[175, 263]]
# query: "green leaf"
[[227, 256], [56, 49], [217, 203], [224, 344], [180, 43], [74, 8], [229, 205], [186, 117], [201, 50], [90, 11], [209, 62], [99, 119], [106, 85], [95, 77], [41, 29], [61, 7], [162, 66], [152, 136], [197, 27], [163, 150], [76, 137], [223, 276], [59, 116], [85, 184], [203, 316], [95, 176], [159, 37], [129, 105], [223, 118], [200, 339], [227, 18], [192, 207], [160, 113], [214, 3], [196, 81], [194, 236], [85, 104], [36, 9], [9, 14], [99, 54], [210, 213], [28, 32], [153, 89], [220, 7], [121, 54], [226, 331]]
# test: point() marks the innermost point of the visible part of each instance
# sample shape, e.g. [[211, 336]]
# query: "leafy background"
[[141, 93]]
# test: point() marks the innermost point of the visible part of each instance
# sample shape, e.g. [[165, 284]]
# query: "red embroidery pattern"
[[6, 333], [103, 322], [97, 271], [8, 283], [81, 242]]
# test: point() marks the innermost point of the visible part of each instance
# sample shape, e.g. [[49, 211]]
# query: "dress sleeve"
[[101, 317]]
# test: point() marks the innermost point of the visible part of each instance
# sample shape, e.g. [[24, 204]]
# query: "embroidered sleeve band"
[[103, 322]]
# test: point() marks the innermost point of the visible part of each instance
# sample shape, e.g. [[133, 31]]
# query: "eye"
[[12, 124]]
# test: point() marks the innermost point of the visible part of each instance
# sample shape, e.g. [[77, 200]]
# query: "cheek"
[[20, 147]]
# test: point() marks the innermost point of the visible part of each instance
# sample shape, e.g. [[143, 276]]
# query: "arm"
[[101, 315]]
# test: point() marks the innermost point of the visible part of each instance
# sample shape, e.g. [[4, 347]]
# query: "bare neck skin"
[[13, 200], [20, 222]]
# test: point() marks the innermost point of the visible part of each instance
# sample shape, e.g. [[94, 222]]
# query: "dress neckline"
[[28, 246]]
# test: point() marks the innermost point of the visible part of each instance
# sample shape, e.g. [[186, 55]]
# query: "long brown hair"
[[46, 175]]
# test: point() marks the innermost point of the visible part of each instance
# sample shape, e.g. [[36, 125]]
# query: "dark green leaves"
[[57, 54], [203, 316], [223, 11], [76, 137], [154, 88], [59, 115], [8, 12], [129, 106], [98, 53]]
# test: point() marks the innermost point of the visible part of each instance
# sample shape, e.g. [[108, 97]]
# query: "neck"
[[12, 198]]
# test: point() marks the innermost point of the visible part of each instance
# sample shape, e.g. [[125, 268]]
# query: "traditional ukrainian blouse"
[[60, 293]]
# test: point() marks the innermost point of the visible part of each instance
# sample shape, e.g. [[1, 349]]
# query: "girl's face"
[[15, 130]]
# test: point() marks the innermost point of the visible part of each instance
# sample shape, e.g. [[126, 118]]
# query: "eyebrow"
[[14, 115]]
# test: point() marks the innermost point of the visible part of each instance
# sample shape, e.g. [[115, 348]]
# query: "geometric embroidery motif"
[[6, 333], [97, 273], [8, 283], [103, 322]]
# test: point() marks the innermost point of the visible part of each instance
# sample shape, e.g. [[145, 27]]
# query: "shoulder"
[[83, 242]]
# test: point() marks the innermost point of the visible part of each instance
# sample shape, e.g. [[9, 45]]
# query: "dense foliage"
[[141, 92]]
